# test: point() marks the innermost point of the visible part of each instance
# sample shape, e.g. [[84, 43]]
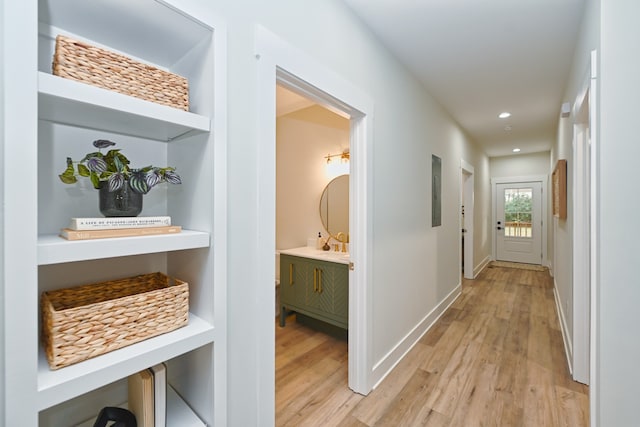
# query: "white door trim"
[[519, 179], [279, 61], [467, 200], [581, 237], [594, 399]]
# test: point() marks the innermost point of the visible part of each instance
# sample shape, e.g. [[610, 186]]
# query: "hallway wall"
[[617, 372], [520, 165], [560, 245], [611, 29], [414, 267]]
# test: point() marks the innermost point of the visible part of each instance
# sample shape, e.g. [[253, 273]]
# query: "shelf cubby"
[[56, 386]]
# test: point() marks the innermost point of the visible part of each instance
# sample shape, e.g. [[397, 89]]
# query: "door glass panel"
[[517, 212]]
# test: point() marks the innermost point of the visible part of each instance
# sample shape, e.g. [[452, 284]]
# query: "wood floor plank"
[[446, 346], [371, 409], [573, 409], [495, 358], [351, 421], [447, 393], [477, 403], [539, 345], [541, 403], [409, 407]]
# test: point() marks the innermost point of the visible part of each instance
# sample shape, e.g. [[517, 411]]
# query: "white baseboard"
[[566, 339], [391, 359], [483, 264]]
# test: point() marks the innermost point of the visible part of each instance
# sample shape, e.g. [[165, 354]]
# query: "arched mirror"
[[334, 206]]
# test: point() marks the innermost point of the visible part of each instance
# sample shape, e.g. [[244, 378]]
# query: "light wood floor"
[[495, 358]]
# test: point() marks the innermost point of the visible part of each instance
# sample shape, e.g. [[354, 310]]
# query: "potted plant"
[[121, 187]]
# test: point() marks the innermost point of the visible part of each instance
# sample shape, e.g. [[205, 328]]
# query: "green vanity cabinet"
[[315, 288]]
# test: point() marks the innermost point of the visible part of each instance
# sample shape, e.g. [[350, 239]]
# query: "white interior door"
[[519, 222]]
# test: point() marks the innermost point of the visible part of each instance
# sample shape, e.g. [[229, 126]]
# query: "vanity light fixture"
[[337, 164]]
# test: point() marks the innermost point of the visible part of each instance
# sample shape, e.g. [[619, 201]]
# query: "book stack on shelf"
[[102, 228], [154, 402], [148, 396]]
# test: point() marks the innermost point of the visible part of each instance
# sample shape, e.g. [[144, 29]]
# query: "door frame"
[[467, 200], [543, 179], [280, 62], [584, 235]]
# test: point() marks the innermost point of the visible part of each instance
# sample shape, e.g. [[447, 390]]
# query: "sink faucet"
[[340, 237]]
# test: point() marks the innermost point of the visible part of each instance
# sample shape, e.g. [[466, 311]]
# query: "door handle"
[[499, 228]]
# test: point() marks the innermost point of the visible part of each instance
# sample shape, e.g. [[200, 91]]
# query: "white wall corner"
[[481, 266]]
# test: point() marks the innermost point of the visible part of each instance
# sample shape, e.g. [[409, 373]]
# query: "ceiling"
[[288, 101], [479, 58]]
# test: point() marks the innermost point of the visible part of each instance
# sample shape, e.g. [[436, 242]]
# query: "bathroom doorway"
[[312, 200], [281, 63], [324, 139]]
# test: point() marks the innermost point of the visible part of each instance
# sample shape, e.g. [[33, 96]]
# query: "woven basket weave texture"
[[86, 321], [85, 63]]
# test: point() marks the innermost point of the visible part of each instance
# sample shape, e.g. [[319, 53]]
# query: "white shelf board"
[[71, 381], [179, 414], [73, 103], [53, 249]]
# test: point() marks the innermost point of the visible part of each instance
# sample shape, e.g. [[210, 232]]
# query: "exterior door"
[[519, 222]]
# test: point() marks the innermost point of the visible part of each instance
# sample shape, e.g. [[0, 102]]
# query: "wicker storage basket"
[[80, 61], [86, 321]]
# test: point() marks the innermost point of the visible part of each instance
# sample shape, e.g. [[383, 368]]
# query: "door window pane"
[[517, 212]]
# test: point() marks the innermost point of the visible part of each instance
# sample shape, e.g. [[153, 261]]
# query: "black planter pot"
[[122, 202]]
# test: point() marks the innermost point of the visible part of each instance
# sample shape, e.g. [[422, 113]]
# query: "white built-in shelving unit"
[[54, 118]]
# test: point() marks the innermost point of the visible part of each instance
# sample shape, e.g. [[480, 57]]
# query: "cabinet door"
[[320, 294], [341, 292], [294, 277], [328, 295]]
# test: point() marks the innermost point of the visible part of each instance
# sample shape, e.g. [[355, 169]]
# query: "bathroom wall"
[[303, 139]]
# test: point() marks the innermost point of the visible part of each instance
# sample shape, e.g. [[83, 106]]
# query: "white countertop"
[[319, 254]]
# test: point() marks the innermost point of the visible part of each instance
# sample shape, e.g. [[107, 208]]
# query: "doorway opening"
[[312, 214], [283, 64], [467, 219], [519, 209]]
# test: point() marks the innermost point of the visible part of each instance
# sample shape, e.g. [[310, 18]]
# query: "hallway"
[[495, 358]]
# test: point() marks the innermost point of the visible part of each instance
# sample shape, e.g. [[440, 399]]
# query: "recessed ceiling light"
[[504, 115], [516, 150]]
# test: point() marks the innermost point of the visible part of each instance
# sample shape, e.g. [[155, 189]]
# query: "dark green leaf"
[[95, 180]]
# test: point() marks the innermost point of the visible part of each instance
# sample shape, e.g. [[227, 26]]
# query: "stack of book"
[[101, 228], [148, 396], [154, 402]]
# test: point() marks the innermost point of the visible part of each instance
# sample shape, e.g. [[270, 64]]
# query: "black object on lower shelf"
[[122, 417]]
